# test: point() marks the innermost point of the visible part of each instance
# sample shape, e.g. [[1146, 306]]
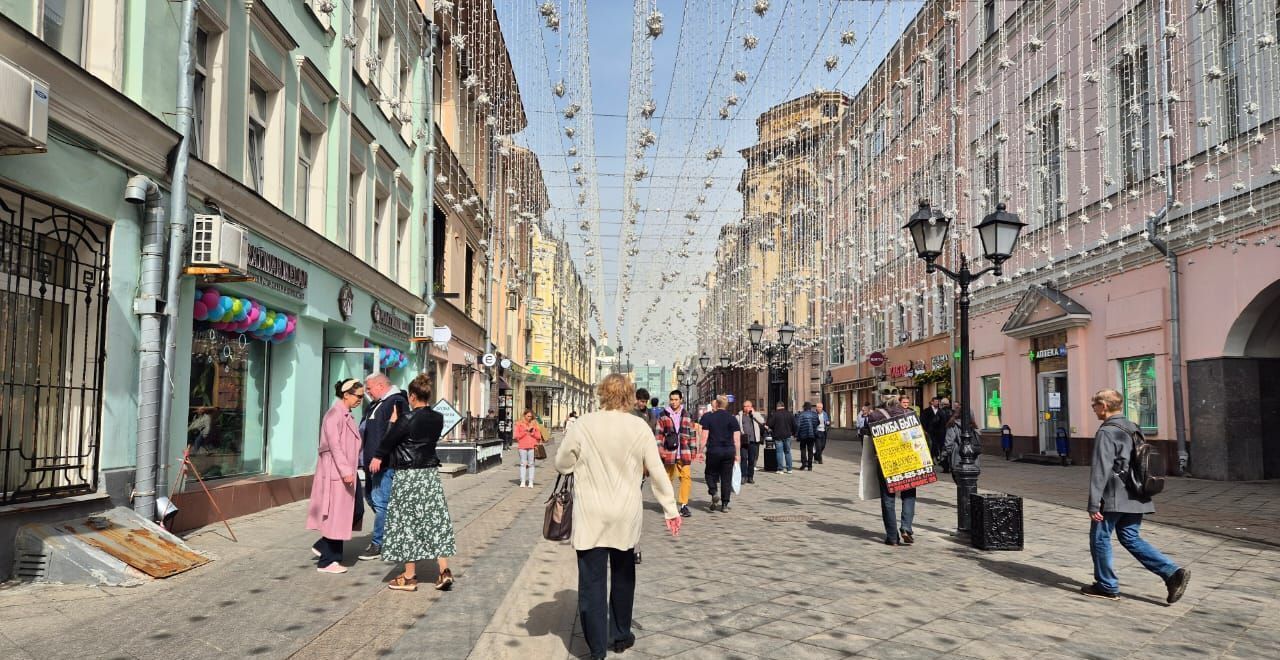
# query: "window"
[[941, 72], [1229, 99], [1138, 385], [355, 208], [306, 158], [379, 227], [919, 320], [991, 178], [257, 137], [830, 109], [470, 275], [899, 110], [438, 227], [226, 426], [837, 343], [901, 326], [991, 404], [989, 17], [200, 95], [1050, 168], [1135, 116], [360, 22], [399, 251], [944, 310], [63, 26], [917, 93]]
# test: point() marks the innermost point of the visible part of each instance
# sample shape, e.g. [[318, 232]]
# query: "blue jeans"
[[1126, 527], [783, 447], [377, 490], [890, 517]]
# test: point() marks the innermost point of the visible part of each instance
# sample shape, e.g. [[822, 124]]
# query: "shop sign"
[[900, 370], [939, 361], [489, 359], [346, 302], [451, 415], [876, 359], [279, 275], [389, 322], [1043, 354], [864, 383]]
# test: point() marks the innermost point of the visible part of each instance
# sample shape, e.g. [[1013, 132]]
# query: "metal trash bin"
[[995, 521]]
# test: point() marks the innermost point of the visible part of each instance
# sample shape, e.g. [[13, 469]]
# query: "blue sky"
[[794, 39]]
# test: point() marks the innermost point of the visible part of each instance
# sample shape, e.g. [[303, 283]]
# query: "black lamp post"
[[999, 234], [777, 356]]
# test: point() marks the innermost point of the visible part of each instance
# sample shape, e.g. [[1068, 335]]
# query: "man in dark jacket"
[[807, 433], [389, 404], [1112, 508], [783, 427]]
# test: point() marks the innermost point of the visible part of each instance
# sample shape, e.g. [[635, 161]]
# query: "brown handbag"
[[557, 523], [539, 451]]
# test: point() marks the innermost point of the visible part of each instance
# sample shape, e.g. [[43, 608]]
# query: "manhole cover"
[[790, 517]]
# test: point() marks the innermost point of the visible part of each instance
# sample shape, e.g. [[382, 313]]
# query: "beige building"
[[562, 351]]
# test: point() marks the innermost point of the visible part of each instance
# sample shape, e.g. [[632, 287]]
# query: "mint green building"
[[310, 134]]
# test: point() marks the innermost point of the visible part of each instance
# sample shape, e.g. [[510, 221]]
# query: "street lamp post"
[[999, 234], [777, 355]]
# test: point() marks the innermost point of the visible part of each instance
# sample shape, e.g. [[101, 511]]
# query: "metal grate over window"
[[53, 311]]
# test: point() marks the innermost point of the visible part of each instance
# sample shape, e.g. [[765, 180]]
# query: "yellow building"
[[562, 351]]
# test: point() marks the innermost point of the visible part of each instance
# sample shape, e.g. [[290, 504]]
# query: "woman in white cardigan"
[[608, 452]]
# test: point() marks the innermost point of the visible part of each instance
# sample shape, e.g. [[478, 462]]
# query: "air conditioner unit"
[[24, 111], [215, 241], [528, 324], [423, 327]]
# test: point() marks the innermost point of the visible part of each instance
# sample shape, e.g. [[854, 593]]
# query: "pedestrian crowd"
[[388, 461]]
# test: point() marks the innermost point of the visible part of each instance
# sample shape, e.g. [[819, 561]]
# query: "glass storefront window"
[[1138, 385], [226, 422], [991, 403]]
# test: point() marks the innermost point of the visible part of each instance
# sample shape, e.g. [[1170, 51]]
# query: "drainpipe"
[[429, 290], [179, 228], [142, 190], [1171, 258]]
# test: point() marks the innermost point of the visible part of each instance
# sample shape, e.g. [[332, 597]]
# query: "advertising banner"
[[903, 452]]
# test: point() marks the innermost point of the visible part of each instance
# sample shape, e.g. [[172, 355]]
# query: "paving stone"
[[802, 651], [841, 641]]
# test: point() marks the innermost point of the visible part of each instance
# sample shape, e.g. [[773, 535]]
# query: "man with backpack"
[[1121, 484]]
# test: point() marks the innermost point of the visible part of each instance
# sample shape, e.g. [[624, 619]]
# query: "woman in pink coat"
[[333, 490]]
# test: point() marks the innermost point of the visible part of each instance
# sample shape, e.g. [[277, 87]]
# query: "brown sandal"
[[403, 583], [445, 581]]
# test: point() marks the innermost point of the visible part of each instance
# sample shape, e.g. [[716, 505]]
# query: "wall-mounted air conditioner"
[[215, 241], [24, 111], [423, 327]]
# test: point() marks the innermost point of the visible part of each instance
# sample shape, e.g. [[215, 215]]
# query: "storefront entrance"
[[344, 363], [1052, 397]]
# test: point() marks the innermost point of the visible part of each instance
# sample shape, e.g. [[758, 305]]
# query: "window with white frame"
[[309, 176], [361, 21], [943, 309], [380, 206], [200, 94], [917, 92], [919, 320], [386, 69], [940, 72], [400, 250], [257, 137], [1134, 105], [63, 27], [1228, 106], [355, 207], [1048, 168], [900, 335], [989, 17]]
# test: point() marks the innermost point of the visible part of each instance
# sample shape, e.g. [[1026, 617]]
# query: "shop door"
[[344, 363], [1053, 409]]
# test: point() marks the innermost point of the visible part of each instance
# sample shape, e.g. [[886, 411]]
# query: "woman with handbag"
[[418, 524], [332, 508], [605, 453], [528, 436]]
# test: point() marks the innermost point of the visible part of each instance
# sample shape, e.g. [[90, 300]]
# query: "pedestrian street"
[[796, 569]]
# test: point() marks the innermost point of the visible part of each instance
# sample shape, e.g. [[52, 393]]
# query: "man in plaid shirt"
[[677, 437]]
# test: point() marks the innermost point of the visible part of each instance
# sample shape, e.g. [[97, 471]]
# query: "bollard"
[[1064, 446], [1006, 441]]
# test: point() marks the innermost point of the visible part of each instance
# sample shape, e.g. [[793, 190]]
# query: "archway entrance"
[[1236, 398]]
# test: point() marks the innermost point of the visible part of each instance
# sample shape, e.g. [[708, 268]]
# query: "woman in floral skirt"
[[418, 524]]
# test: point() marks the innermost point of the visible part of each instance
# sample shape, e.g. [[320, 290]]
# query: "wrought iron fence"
[[53, 313], [477, 428]]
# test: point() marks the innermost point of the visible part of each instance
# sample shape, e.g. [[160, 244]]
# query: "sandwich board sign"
[[451, 416]]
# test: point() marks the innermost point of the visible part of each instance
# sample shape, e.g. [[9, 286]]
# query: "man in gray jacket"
[[1113, 508]]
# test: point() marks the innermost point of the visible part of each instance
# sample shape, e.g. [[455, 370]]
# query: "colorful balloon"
[[199, 311]]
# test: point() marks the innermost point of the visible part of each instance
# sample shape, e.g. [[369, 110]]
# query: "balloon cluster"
[[390, 358], [242, 315]]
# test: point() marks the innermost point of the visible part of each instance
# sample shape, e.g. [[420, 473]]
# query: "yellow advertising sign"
[[903, 452]]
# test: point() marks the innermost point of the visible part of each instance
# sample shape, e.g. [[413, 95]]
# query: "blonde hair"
[[1112, 399], [616, 392], [722, 402]]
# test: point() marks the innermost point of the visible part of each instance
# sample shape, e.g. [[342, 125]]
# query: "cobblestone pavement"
[[732, 585]]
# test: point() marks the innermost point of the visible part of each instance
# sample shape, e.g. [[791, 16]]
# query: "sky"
[[691, 79]]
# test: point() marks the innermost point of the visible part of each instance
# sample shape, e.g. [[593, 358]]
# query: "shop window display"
[[1138, 384], [991, 404], [226, 431]]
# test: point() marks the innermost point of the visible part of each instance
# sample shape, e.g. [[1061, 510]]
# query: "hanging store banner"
[[277, 274], [903, 452]]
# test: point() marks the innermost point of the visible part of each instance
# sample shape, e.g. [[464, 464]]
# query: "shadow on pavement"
[[544, 618], [847, 530], [1029, 574]]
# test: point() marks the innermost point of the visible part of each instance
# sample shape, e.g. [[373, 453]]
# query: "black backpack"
[[670, 437], [1143, 476]]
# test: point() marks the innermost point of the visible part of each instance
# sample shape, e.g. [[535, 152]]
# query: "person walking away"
[[894, 534], [1113, 508], [807, 435], [654, 407], [528, 435], [388, 403], [722, 437], [824, 423], [678, 446], [332, 508], [606, 452], [783, 425], [752, 425], [418, 523]]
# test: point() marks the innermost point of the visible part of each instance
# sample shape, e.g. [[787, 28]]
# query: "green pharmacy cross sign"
[[535, 369], [993, 402]]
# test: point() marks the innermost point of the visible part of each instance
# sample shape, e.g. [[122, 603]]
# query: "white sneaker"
[[334, 568]]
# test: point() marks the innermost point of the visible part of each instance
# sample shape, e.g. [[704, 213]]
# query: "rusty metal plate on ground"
[[142, 549], [790, 517]]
